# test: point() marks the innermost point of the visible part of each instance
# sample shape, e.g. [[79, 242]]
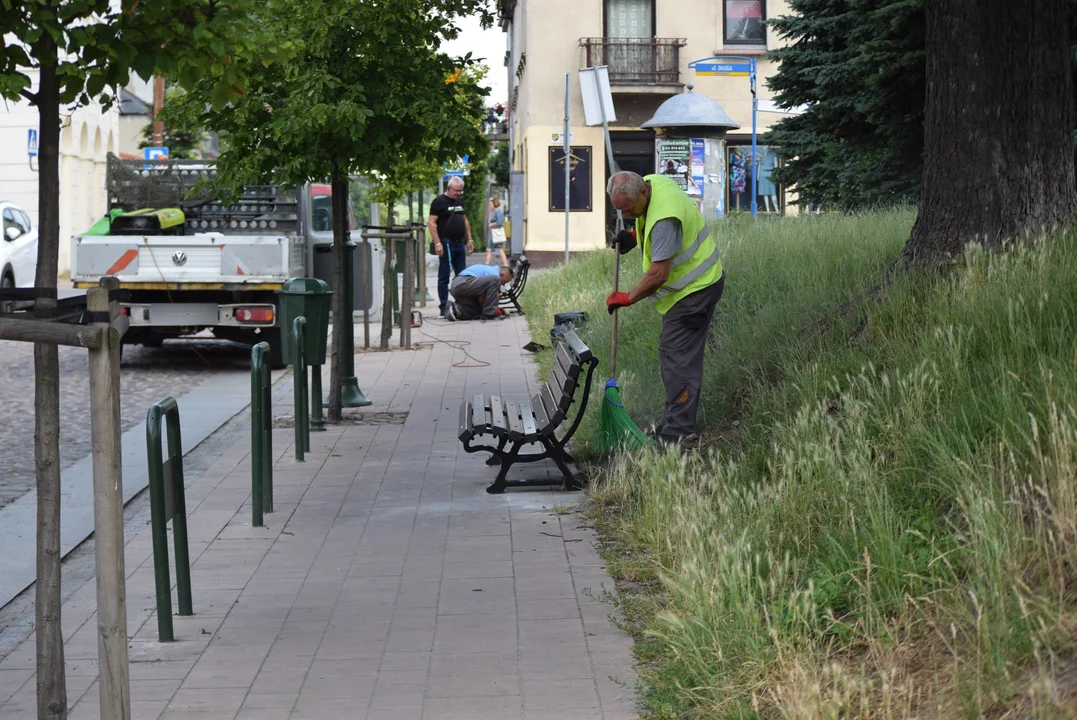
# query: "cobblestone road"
[[146, 376]]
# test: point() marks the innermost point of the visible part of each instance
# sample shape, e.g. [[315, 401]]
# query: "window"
[[321, 210], [744, 22], [630, 18], [11, 223], [24, 219], [769, 195]]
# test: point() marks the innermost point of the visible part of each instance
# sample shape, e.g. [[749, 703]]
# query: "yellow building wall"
[[549, 34], [545, 229]]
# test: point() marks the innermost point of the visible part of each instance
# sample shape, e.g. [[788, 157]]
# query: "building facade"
[[87, 136], [647, 46]]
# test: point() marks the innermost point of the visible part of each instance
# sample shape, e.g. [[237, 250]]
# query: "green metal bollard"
[[299, 385], [261, 435], [167, 502]]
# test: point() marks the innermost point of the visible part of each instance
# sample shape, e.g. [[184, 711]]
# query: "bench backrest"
[[555, 396], [519, 277]]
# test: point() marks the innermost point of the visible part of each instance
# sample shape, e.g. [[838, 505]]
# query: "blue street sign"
[[732, 68], [744, 67], [31, 142], [458, 173], [154, 153]]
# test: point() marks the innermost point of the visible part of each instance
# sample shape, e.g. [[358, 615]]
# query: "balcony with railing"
[[648, 64]]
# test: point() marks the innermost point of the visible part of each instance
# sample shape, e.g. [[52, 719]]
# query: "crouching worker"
[[476, 292]]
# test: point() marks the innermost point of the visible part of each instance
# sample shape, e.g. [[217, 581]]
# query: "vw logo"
[[179, 257]]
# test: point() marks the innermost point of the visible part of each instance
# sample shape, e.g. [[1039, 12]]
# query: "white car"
[[18, 249]]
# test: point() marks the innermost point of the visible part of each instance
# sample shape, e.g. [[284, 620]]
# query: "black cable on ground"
[[455, 345]]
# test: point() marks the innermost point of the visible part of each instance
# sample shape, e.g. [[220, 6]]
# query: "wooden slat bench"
[[510, 296], [517, 424]]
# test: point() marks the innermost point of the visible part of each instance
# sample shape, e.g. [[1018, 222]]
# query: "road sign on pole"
[[734, 68], [31, 142]]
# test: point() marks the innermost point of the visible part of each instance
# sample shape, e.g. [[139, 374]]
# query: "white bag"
[[497, 236]]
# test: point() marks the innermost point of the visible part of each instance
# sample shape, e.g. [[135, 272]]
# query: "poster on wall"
[[697, 174], [579, 187], [682, 160], [674, 160]]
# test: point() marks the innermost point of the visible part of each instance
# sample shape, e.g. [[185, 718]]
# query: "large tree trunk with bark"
[[339, 183], [998, 126], [51, 676]]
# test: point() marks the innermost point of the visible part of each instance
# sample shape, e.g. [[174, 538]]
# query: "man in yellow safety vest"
[[682, 275]]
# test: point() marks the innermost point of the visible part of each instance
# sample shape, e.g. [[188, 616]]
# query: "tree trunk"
[[51, 680], [998, 126], [339, 183], [390, 281]]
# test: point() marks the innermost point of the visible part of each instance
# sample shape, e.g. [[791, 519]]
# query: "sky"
[[488, 44]]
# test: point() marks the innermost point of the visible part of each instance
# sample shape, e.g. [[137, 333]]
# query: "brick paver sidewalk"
[[387, 585]]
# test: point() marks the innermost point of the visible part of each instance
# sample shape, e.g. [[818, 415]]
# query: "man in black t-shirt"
[[449, 230]]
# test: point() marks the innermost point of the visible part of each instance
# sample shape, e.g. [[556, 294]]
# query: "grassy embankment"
[[884, 523]]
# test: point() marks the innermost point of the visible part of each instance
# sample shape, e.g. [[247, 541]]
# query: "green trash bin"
[[309, 297]]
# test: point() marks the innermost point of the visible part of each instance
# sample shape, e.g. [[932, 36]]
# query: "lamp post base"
[[351, 395]]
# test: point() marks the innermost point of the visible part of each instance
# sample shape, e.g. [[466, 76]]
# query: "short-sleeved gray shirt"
[[667, 239]]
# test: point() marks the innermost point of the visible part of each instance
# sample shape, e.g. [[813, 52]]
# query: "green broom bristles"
[[616, 431]]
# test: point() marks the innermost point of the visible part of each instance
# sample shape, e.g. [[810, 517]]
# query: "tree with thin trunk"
[[998, 127], [367, 90], [78, 49]]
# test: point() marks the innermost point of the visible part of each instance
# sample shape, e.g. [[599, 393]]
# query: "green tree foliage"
[[475, 193], [367, 92], [65, 53], [859, 65], [499, 165], [183, 143]]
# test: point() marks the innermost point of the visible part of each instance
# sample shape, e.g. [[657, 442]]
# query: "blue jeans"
[[455, 253]]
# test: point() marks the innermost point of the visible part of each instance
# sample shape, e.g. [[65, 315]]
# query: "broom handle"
[[616, 287], [616, 250]]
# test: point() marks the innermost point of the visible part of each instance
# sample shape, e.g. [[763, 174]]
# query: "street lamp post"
[[350, 394]]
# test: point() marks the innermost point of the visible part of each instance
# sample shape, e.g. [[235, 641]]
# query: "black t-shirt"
[[450, 218]]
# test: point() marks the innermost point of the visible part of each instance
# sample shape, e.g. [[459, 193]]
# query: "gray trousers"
[[476, 296], [680, 351]]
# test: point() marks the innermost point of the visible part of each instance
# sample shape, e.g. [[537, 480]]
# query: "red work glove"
[[617, 300]]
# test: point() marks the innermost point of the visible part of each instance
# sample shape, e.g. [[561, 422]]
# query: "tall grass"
[[885, 521]]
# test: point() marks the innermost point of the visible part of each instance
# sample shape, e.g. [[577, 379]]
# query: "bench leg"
[[559, 457], [506, 459], [516, 303], [493, 459]]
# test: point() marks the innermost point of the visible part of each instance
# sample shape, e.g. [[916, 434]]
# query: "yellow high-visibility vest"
[[697, 265]]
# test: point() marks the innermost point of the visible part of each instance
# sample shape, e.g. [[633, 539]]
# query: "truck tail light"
[[254, 314]]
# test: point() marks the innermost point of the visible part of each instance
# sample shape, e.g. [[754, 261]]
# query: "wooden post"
[[115, 692]]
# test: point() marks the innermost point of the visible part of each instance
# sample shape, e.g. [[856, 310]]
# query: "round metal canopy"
[[690, 110]]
